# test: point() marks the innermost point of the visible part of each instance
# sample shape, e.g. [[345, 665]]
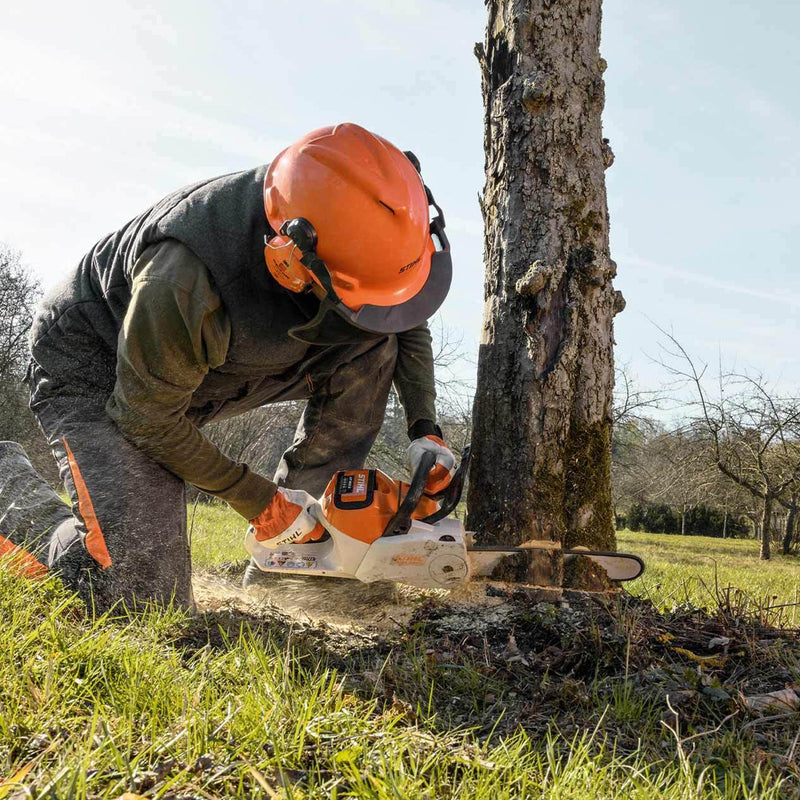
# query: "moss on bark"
[[587, 487], [547, 493]]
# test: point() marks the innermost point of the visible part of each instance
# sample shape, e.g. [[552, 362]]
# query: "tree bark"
[[542, 414], [766, 528], [788, 531]]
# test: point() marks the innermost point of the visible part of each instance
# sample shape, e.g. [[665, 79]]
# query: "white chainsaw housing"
[[428, 556]]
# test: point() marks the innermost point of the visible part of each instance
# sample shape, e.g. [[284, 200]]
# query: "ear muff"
[[282, 257]]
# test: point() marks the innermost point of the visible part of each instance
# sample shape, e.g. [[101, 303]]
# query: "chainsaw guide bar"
[[619, 566]]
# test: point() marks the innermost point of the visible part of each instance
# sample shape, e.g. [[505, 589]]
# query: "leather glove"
[[443, 470], [291, 518]]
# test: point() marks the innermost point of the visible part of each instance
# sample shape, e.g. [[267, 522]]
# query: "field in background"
[[695, 568], [216, 534]]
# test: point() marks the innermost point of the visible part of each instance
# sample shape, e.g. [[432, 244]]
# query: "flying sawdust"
[[333, 601]]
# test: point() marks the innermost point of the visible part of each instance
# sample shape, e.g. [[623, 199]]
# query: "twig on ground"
[[262, 782], [681, 743], [772, 718]]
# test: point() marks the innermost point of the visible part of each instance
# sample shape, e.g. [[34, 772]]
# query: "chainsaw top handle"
[[400, 523], [451, 496]]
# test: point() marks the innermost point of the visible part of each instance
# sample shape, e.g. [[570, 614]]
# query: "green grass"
[[216, 532], [693, 569], [92, 709], [223, 705]]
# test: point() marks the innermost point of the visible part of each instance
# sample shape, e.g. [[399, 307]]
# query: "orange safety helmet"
[[350, 218]]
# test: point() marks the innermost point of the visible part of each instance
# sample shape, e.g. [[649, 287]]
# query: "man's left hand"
[[442, 471]]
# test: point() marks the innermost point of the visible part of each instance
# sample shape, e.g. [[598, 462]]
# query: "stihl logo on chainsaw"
[[353, 484], [291, 536]]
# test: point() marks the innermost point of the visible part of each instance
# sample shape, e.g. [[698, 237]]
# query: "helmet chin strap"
[[330, 327]]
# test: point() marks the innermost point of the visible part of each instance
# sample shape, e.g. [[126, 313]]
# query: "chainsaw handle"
[[451, 496], [401, 522]]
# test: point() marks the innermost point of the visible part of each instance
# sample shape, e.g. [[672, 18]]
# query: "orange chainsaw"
[[380, 529]]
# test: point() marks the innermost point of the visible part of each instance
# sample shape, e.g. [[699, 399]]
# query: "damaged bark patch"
[[536, 568], [502, 63], [546, 323], [581, 572]]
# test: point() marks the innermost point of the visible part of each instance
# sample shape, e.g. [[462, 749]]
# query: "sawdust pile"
[[343, 603], [348, 603]]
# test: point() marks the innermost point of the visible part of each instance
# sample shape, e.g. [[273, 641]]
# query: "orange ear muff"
[[283, 262]]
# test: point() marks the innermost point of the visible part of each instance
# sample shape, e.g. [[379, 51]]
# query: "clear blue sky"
[[108, 106]]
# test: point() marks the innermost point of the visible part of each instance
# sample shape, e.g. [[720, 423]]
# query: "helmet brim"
[[414, 311], [334, 323]]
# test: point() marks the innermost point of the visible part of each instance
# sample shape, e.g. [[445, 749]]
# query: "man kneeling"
[[308, 278]]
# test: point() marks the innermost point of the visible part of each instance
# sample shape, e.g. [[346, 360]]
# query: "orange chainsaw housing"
[[362, 502]]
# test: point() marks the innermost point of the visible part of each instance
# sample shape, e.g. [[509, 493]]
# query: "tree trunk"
[[766, 524], [788, 531], [542, 415], [683, 521], [725, 525]]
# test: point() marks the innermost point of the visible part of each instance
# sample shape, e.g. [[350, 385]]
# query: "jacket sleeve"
[[413, 375], [174, 331]]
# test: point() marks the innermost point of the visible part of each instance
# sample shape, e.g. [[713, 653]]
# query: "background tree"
[[633, 431], [631, 403], [258, 437], [664, 482], [733, 500], [542, 414], [791, 502], [751, 432], [19, 292], [683, 477]]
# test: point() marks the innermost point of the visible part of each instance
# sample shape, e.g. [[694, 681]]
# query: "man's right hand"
[[291, 518]]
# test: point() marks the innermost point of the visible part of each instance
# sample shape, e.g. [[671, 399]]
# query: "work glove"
[[442, 471], [291, 518]]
